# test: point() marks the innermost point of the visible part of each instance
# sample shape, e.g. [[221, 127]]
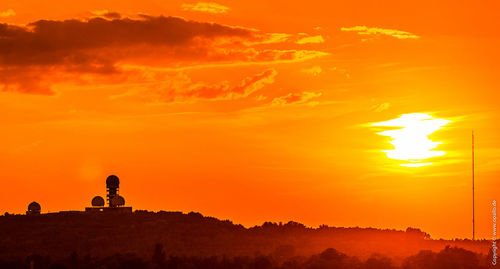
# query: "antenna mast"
[[473, 223]]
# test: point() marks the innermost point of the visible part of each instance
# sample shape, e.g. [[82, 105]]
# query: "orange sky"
[[251, 112]]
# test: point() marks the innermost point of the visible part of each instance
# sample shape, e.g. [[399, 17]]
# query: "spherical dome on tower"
[[112, 181], [98, 201], [34, 207], [118, 201]]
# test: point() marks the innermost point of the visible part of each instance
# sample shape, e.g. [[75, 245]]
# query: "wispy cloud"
[[179, 88], [246, 87], [315, 70], [381, 107], [375, 31], [209, 7], [9, 12], [106, 14], [311, 39], [296, 98], [271, 38]]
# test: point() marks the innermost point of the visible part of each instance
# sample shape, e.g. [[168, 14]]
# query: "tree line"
[[447, 258]]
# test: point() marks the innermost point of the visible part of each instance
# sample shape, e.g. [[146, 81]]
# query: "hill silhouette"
[[452, 258], [58, 235]]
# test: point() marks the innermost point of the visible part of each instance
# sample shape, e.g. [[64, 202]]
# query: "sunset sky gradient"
[[251, 111]]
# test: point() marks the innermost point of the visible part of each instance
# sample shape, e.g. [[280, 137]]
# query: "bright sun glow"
[[411, 142]]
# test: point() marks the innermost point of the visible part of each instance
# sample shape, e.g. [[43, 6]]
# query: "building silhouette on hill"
[[114, 201], [34, 208]]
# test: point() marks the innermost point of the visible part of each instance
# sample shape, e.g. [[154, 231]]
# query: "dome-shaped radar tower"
[[117, 201], [97, 201], [34, 209], [112, 188]]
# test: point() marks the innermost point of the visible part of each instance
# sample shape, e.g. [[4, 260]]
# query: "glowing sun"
[[411, 142]]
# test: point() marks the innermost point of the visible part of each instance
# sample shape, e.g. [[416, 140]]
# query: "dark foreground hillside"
[[58, 235], [448, 258]]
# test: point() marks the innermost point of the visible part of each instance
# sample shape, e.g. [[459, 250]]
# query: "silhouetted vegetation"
[[156, 237], [448, 258]]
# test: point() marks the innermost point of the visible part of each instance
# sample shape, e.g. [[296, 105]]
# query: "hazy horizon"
[[349, 114]]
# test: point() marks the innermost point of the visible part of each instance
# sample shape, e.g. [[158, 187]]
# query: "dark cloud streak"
[[30, 55], [47, 52], [52, 42]]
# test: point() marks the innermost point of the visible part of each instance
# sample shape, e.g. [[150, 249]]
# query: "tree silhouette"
[[159, 256]]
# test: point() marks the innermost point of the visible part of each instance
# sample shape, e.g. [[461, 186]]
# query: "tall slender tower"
[[473, 223], [112, 188]]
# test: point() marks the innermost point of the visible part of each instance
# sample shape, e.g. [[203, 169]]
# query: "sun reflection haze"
[[411, 142]]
